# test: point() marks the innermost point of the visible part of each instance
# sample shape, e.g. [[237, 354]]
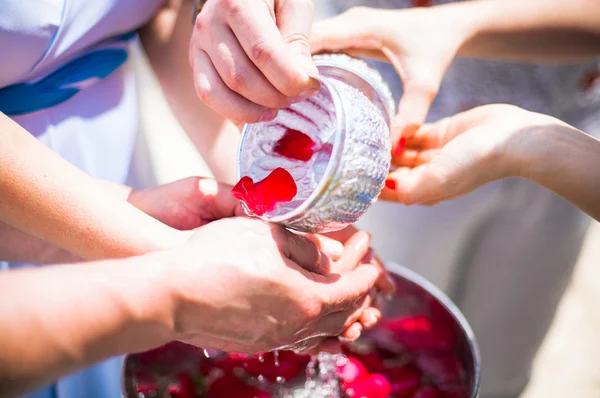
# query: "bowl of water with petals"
[[423, 347], [322, 162]]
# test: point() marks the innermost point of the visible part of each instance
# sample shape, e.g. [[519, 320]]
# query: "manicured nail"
[[269, 115], [307, 94], [400, 146], [390, 184], [370, 320]]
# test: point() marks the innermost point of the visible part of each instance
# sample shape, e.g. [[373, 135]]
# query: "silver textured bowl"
[[414, 296], [352, 113]]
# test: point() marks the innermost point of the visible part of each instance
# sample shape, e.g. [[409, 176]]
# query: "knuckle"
[[261, 53], [231, 7], [236, 80]]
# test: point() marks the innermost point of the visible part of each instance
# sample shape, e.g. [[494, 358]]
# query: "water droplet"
[[206, 353], [276, 357], [261, 358]]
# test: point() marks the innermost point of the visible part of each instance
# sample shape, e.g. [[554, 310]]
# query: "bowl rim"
[[332, 166]]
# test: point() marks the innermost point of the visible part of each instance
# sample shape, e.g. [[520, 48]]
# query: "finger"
[[217, 201], [295, 19], [336, 323], [385, 284], [256, 31], [355, 249], [343, 290], [352, 332], [331, 247], [303, 252], [370, 317], [343, 234], [238, 72], [412, 111], [419, 185], [349, 30], [213, 92], [414, 158]]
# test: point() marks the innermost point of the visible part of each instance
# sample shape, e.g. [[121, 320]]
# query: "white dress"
[[95, 130], [504, 253]]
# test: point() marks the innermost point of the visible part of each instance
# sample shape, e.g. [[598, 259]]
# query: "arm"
[[43, 195], [564, 160], [44, 336], [166, 42], [530, 30], [139, 303]]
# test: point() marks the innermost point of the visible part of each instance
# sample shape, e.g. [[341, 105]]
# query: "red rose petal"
[[404, 381], [295, 145], [372, 386], [264, 196], [370, 360], [589, 79], [421, 3], [430, 392], [351, 371], [184, 388], [441, 368], [419, 333], [232, 387]]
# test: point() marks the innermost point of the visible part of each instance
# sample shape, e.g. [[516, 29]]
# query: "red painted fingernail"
[[400, 147], [390, 184]]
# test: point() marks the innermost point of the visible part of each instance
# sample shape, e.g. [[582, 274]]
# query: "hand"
[[420, 43], [252, 57], [187, 204], [458, 154], [260, 288]]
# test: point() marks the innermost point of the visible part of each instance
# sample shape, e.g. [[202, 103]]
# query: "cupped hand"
[[187, 204], [420, 43], [251, 57], [243, 285], [458, 154]]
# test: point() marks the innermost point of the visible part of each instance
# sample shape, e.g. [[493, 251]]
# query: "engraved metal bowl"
[[414, 295], [358, 125]]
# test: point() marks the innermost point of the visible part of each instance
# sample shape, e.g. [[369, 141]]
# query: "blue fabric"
[[64, 82]]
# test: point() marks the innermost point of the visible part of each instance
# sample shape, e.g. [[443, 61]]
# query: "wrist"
[[463, 21], [532, 147]]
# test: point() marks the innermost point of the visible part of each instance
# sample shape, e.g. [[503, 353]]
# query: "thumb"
[[412, 111], [294, 19]]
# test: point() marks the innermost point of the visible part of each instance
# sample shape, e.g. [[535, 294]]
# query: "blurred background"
[[566, 365]]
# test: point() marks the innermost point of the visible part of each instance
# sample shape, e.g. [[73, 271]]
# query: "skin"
[[457, 155], [250, 58], [422, 42], [202, 293]]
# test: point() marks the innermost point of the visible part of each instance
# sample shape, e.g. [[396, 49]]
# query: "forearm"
[[565, 161], [166, 41], [57, 319], [45, 196], [526, 30]]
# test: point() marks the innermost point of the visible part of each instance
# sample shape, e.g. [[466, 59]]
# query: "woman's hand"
[[458, 154], [260, 287], [420, 43], [187, 204], [252, 57]]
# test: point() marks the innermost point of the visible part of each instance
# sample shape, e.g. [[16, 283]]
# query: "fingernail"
[[391, 281], [390, 184], [269, 115], [400, 146], [307, 94], [354, 332], [370, 320], [333, 248]]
